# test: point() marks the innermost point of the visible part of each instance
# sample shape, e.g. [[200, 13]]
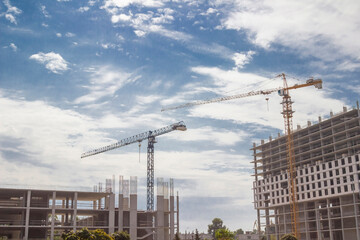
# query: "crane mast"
[[287, 113], [150, 135]]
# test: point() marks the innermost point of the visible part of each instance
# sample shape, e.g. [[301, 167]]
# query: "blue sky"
[[77, 75]]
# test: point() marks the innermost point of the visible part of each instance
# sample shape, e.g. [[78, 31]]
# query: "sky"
[[79, 75]]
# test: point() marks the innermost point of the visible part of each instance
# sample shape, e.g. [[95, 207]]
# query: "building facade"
[[45, 214], [327, 178]]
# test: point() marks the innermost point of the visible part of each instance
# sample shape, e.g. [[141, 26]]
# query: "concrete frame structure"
[[327, 177], [42, 214]]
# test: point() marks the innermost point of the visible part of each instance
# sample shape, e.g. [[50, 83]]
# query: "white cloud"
[[84, 9], [144, 23], [325, 30], [110, 5], [220, 137], [209, 11], [139, 33], [44, 25], [45, 13], [58, 34], [69, 34], [53, 61], [121, 17], [13, 47], [241, 59], [11, 12], [104, 82]]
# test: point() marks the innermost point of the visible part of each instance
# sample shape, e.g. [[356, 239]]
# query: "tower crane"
[[287, 114], [150, 136]]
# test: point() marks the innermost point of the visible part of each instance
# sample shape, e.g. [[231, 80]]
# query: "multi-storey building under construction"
[[327, 180], [33, 214]]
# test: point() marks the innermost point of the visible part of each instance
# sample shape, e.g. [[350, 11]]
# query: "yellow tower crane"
[[287, 114]]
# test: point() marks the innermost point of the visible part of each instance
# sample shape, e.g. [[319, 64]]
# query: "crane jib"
[[137, 138]]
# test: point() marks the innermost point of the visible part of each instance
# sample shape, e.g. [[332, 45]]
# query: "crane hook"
[[139, 150]]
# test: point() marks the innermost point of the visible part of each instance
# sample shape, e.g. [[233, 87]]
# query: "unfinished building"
[[45, 214], [327, 180]]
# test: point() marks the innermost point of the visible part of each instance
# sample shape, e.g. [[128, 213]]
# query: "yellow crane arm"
[[317, 83]]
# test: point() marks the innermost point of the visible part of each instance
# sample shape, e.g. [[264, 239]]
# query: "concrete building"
[[327, 177], [45, 214]]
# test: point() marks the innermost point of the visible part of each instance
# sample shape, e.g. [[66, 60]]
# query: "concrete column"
[[342, 218], [99, 204], [276, 210], [307, 233], [172, 219], [133, 216], [112, 213], [356, 216], [121, 213], [67, 214], [53, 216], [330, 219], [317, 214], [160, 218], [166, 219], [27, 217], [177, 215], [62, 216], [74, 204]]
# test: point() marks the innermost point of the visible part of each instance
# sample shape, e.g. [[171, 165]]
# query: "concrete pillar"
[[276, 210], [27, 217], [99, 204], [74, 204], [166, 219], [53, 215], [356, 216], [342, 217], [112, 213], [330, 219], [160, 218], [177, 214], [172, 218], [121, 213], [67, 215], [307, 231], [317, 214], [133, 216]]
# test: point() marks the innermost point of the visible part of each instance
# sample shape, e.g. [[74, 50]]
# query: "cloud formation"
[[325, 30], [242, 59], [13, 47], [52, 61], [11, 12], [104, 82]]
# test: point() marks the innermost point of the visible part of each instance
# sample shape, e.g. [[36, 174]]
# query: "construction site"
[[306, 183], [45, 214], [327, 174]]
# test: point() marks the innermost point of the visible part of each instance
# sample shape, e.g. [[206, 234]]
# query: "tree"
[[121, 236], [85, 234], [177, 236], [217, 223], [239, 231], [197, 235], [288, 237], [224, 234]]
